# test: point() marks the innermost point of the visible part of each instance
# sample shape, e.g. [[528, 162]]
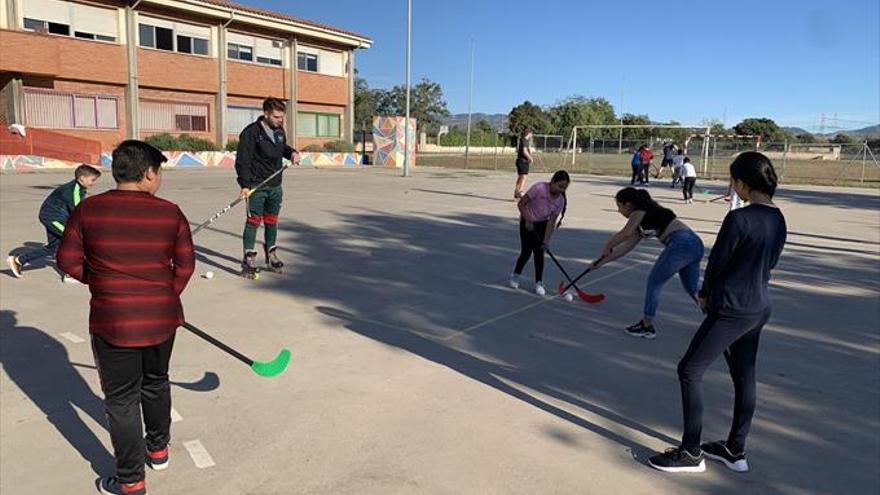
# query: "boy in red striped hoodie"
[[135, 252]]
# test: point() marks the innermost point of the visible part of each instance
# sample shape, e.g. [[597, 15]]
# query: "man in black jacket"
[[261, 146]]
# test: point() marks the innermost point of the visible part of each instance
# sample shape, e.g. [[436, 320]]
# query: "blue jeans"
[[682, 255]]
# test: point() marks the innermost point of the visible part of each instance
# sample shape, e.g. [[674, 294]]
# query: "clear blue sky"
[[788, 60]]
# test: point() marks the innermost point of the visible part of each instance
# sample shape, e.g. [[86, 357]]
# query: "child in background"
[[677, 163], [690, 179], [54, 212], [636, 164]]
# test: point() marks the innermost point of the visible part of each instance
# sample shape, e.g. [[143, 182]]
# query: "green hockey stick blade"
[[274, 367]]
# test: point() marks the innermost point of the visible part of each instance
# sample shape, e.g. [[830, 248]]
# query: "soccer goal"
[[607, 148]]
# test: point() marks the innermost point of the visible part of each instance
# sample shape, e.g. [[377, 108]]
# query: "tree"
[[763, 127], [632, 119], [841, 139], [528, 115], [579, 110], [805, 138], [426, 104], [485, 127], [364, 103]]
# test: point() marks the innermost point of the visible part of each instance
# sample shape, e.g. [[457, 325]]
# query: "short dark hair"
[[756, 171], [132, 158], [687, 159], [525, 132], [86, 171], [271, 104]]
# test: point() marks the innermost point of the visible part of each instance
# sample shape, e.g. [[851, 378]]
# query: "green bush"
[[339, 147], [164, 141], [232, 145], [183, 142], [187, 142], [314, 148]]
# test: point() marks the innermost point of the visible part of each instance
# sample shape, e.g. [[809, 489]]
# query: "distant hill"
[[796, 130], [865, 132]]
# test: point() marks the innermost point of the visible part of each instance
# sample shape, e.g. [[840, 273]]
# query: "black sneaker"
[[678, 460], [157, 459], [641, 330], [718, 451], [112, 486]]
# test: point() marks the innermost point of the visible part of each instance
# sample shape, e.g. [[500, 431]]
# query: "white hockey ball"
[[209, 275]]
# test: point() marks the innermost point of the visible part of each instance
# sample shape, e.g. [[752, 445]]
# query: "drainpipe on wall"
[[223, 92], [349, 111], [292, 93], [132, 102]]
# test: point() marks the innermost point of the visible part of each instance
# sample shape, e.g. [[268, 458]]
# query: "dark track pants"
[[736, 337], [135, 379]]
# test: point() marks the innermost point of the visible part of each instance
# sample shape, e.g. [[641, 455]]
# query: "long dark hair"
[[639, 198], [561, 176], [756, 171]]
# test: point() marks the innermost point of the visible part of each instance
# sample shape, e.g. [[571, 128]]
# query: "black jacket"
[[61, 203], [257, 157]]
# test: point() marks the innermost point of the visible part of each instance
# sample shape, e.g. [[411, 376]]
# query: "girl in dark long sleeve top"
[[736, 298]]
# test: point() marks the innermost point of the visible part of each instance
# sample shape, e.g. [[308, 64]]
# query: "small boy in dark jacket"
[[54, 212]]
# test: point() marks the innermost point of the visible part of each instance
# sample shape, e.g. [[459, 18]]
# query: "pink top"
[[541, 205]]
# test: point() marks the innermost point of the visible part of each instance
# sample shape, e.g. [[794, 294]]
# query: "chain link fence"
[[851, 164]]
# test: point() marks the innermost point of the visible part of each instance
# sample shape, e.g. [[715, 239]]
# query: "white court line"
[[199, 454], [76, 339], [175, 416], [543, 301]]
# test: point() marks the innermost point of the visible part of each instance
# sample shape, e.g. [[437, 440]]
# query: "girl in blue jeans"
[[682, 254]]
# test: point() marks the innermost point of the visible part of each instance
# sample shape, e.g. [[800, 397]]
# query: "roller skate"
[[249, 268], [273, 264]]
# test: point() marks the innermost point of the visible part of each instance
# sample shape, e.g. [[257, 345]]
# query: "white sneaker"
[[67, 279], [14, 266], [513, 281], [539, 289]]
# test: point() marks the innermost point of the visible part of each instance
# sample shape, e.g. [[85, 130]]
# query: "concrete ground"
[[415, 370]]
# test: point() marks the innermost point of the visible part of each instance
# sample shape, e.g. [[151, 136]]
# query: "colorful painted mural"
[[177, 159], [388, 133]]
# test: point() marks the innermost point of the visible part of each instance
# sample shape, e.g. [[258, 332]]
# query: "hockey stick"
[[582, 274], [588, 298], [237, 201], [268, 368]]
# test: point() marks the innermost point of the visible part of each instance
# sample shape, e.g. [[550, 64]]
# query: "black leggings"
[[737, 338], [531, 242], [688, 188]]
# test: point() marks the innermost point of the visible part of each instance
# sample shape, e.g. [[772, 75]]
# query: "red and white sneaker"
[[112, 486], [158, 460]]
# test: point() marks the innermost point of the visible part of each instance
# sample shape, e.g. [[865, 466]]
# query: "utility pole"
[[467, 146], [408, 72]]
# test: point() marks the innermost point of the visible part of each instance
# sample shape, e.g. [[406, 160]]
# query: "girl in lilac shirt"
[[541, 210]]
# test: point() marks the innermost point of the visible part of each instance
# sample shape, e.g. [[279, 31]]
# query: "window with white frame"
[[173, 36], [312, 124], [70, 19], [171, 116], [240, 117], [327, 62], [254, 49], [58, 110]]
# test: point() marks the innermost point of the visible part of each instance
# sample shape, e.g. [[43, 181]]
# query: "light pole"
[[467, 146], [406, 123]]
